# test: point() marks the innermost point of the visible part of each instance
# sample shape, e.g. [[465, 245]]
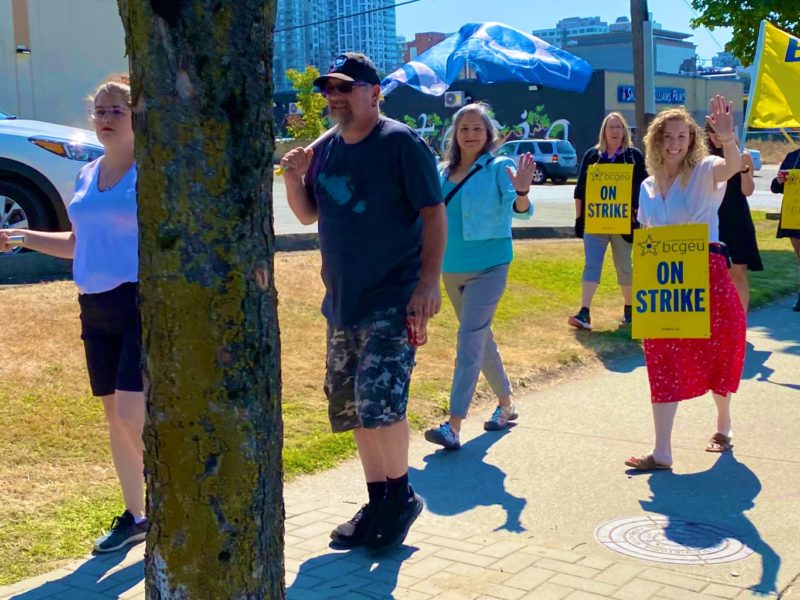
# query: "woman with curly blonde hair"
[[687, 186]]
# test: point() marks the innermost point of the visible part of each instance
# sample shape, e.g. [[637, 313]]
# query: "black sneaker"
[[393, 522], [355, 531], [124, 531], [582, 320], [796, 307]]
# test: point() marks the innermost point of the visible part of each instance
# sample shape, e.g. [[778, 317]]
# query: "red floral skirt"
[[680, 369]]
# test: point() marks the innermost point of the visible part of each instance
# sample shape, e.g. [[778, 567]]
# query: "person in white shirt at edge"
[[482, 194], [103, 244], [687, 186]]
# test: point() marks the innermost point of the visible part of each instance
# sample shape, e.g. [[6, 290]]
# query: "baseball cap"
[[351, 67]]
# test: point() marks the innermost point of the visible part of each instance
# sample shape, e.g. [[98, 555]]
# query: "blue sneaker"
[[501, 417], [444, 435]]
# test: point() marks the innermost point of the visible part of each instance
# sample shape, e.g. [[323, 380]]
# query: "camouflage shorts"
[[368, 372]]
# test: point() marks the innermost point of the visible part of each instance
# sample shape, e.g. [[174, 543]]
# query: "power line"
[[716, 41], [358, 14]]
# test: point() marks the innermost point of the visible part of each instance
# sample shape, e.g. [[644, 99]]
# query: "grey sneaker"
[[582, 320], [444, 435], [500, 418], [124, 531]]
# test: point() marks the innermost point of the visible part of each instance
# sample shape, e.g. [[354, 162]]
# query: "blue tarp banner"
[[495, 53]]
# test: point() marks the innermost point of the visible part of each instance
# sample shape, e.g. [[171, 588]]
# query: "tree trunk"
[[201, 73]]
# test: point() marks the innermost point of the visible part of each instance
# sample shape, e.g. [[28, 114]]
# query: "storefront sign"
[[627, 95]]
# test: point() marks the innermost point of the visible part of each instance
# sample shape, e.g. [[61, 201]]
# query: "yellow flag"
[[790, 208], [670, 282], [775, 93], [608, 198]]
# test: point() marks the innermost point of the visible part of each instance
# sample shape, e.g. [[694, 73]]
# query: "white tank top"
[[106, 231]]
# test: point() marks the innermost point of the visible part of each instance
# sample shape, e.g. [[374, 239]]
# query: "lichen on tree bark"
[[202, 99]]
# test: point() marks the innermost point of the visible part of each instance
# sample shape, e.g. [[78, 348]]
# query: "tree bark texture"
[[201, 74]]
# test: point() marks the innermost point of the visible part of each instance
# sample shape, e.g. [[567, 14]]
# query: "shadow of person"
[[719, 496], [454, 482], [91, 579], [755, 367], [355, 574], [614, 348]]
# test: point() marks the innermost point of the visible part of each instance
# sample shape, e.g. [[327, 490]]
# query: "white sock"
[[139, 520]]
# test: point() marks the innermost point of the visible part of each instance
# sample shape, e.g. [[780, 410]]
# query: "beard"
[[341, 116]]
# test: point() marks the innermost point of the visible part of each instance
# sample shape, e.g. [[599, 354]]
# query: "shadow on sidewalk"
[[91, 577], [454, 482], [614, 348], [720, 495], [356, 574]]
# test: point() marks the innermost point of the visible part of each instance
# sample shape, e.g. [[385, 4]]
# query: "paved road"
[[514, 515], [554, 206]]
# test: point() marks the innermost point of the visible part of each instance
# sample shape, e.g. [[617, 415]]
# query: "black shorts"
[[111, 335]]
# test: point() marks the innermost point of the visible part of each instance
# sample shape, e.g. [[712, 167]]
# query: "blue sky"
[[449, 15]]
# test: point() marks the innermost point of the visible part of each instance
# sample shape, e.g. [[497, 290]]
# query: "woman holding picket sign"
[[482, 193], [788, 183], [686, 186], [606, 201]]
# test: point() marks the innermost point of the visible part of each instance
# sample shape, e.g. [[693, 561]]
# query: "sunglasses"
[[345, 87]]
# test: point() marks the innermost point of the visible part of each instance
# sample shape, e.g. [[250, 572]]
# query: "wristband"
[[525, 193]]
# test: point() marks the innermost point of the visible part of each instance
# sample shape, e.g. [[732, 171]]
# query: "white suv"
[[38, 165]]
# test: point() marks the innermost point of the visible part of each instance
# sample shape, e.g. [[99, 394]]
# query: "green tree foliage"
[[745, 17], [310, 124]]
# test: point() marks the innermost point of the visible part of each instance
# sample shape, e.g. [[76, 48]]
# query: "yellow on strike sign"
[[790, 207], [670, 282], [608, 198]]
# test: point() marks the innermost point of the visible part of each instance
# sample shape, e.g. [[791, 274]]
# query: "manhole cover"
[[670, 540]]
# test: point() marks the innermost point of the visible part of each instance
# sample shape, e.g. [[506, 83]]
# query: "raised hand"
[[521, 179], [720, 117]]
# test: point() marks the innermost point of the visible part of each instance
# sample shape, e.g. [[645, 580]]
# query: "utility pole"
[[643, 68]]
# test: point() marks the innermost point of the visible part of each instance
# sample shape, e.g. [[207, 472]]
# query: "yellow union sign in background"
[[670, 282], [608, 198], [790, 208]]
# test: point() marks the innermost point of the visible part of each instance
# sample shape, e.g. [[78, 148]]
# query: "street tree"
[[202, 103], [310, 123], [745, 17]]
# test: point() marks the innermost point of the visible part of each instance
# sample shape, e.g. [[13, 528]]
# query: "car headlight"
[[69, 149]]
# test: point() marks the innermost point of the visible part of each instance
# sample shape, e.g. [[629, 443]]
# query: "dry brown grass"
[[772, 153]]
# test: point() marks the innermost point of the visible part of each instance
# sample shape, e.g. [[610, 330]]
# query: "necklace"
[[111, 178]]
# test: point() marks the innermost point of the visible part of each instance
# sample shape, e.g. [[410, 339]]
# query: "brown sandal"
[[645, 463], [719, 442]]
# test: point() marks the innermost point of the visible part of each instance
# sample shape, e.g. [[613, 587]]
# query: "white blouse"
[[698, 202]]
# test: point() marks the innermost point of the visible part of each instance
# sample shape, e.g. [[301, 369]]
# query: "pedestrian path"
[[518, 514]]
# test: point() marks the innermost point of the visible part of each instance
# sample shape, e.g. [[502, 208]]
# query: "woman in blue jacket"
[[482, 193]]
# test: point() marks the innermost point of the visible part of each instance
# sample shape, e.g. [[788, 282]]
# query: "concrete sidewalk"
[[516, 514]]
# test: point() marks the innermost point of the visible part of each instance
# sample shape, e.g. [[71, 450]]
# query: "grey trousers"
[[475, 296]]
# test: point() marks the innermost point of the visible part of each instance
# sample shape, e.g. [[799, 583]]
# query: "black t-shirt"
[[369, 195], [630, 156]]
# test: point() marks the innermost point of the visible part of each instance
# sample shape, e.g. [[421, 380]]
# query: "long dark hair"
[[712, 149]]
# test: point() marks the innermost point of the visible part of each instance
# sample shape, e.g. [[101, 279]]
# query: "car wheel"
[[21, 207], [539, 176]]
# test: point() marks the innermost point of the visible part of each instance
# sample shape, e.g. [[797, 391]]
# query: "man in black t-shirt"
[[372, 184]]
